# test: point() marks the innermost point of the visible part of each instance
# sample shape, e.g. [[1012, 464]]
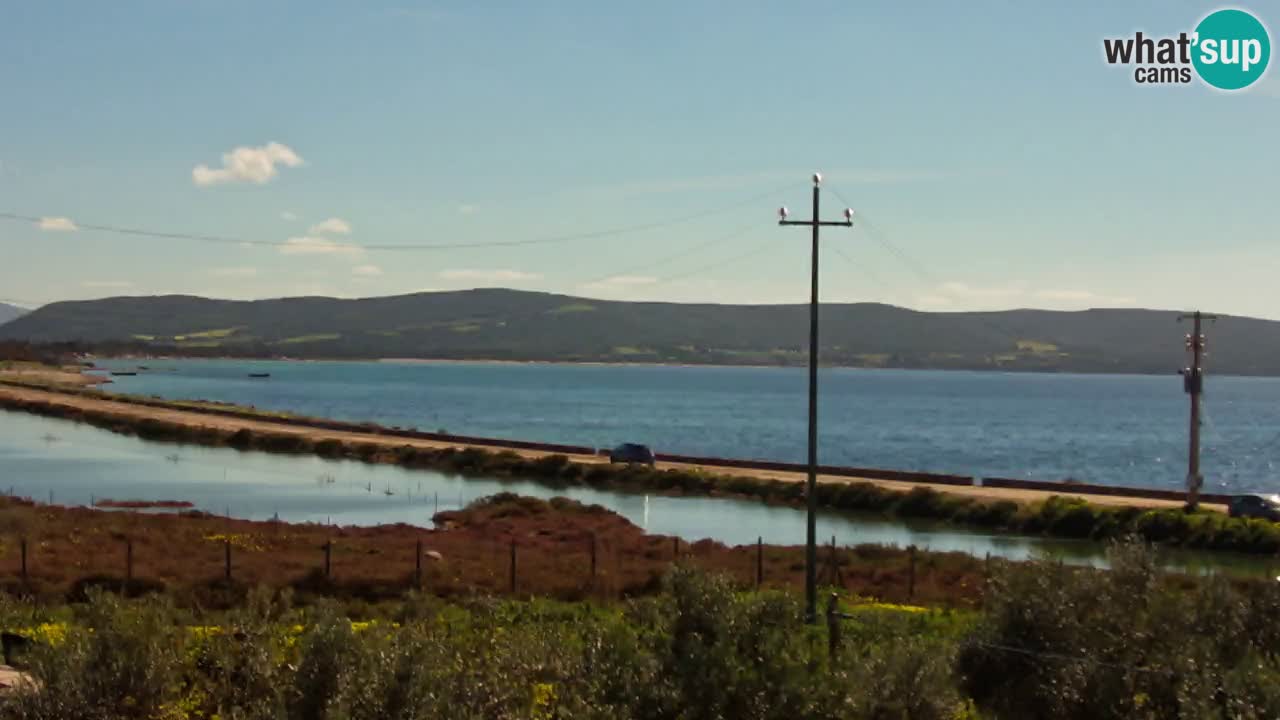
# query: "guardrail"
[[1091, 489], [838, 470]]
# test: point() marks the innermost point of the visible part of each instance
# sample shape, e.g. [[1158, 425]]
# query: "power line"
[[754, 251], [227, 240], [921, 271], [861, 268], [1045, 655], [676, 256]]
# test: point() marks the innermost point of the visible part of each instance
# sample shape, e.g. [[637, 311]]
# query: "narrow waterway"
[[74, 464]]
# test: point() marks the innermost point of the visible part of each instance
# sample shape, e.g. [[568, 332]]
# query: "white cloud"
[[289, 216], [234, 272], [934, 301], [319, 246], [247, 164], [1083, 296], [962, 290], [963, 296], [366, 271], [332, 226], [57, 224], [498, 275], [620, 281], [107, 284]]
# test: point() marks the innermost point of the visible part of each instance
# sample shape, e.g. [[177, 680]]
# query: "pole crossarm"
[[824, 223]]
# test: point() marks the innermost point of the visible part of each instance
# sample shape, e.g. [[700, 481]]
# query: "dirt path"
[[194, 418]]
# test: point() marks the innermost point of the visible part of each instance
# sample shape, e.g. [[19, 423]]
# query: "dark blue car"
[[632, 453], [1266, 507]]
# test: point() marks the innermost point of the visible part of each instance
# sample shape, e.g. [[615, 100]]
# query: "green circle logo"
[[1232, 49]]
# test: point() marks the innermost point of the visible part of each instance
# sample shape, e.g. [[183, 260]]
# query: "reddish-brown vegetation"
[[142, 504], [69, 548]]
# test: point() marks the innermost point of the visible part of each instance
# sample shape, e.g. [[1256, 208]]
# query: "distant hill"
[[9, 312], [514, 325]]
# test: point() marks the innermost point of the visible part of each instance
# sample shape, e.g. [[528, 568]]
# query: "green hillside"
[[514, 325]]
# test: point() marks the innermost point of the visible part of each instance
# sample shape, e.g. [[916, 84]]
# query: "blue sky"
[[987, 142]]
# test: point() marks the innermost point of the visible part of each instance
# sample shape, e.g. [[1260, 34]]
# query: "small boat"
[[143, 367], [123, 374], [259, 375]]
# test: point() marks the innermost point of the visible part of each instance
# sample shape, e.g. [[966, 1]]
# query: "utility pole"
[[811, 489], [1193, 384]]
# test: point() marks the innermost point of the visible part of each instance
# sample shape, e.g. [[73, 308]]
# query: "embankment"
[[999, 509]]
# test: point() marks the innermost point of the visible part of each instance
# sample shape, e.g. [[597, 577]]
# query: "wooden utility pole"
[[811, 488], [1193, 384]]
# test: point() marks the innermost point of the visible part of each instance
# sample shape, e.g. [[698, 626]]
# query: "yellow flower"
[[52, 634], [891, 607], [544, 697]]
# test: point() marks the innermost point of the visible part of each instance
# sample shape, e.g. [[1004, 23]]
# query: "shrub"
[[1060, 643], [330, 448], [125, 661]]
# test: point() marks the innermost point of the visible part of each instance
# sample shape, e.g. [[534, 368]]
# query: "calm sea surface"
[[1114, 429]]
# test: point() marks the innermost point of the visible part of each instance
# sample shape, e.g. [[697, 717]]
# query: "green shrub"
[[123, 660], [1061, 643]]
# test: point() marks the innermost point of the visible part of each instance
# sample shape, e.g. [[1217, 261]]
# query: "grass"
[[200, 343], [302, 339], [1037, 347], [215, 334], [572, 308]]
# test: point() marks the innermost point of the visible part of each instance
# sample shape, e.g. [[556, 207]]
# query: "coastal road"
[[196, 418]]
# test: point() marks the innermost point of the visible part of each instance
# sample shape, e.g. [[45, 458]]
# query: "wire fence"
[[379, 562]]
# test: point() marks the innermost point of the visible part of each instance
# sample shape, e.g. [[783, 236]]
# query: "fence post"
[[759, 561], [835, 565], [675, 548], [24, 560], [417, 565], [513, 566], [128, 561], [593, 561], [833, 628], [226, 560], [328, 553], [911, 574]]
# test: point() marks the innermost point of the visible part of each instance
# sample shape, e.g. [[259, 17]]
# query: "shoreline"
[[1059, 513], [230, 417], [629, 363]]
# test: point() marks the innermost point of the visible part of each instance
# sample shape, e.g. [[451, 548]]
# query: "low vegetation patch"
[[1049, 644]]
